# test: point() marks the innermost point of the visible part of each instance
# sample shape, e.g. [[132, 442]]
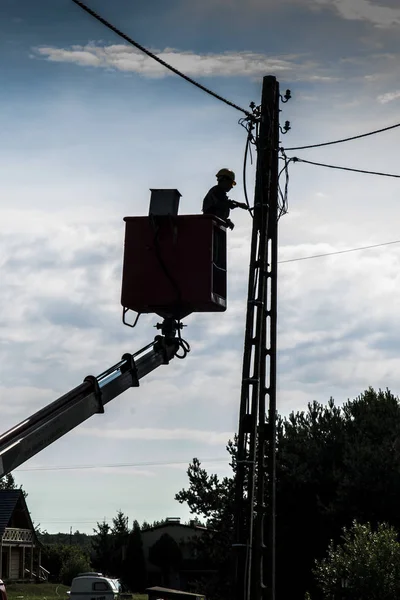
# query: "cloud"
[[357, 348], [60, 292], [251, 5], [364, 10], [122, 57], [16, 401], [389, 97], [211, 438], [381, 13]]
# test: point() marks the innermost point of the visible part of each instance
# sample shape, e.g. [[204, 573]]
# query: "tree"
[[82, 540], [166, 555], [52, 560], [120, 536], [367, 562], [195, 521], [147, 525], [72, 566], [212, 499], [110, 544], [102, 545], [120, 528], [134, 566], [334, 465], [64, 562], [8, 483]]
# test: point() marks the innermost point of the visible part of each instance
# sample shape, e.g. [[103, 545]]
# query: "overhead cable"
[[158, 59], [317, 164], [339, 252], [349, 139], [119, 465]]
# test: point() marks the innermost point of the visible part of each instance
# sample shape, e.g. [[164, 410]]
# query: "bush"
[[72, 567], [366, 563], [57, 557]]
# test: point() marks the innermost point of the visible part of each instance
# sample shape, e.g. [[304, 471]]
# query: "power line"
[[119, 465], [339, 252], [317, 164], [349, 139], [74, 521], [159, 60]]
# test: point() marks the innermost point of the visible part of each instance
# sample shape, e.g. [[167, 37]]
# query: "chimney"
[[175, 520]]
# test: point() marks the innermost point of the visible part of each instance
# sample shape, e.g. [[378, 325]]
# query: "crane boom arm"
[[22, 442]]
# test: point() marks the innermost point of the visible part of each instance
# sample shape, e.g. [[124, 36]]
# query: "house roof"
[[174, 524], [8, 503]]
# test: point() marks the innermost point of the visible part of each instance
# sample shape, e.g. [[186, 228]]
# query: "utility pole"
[[256, 463], [267, 435]]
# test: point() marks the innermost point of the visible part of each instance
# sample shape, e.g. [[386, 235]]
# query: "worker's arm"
[[233, 204]]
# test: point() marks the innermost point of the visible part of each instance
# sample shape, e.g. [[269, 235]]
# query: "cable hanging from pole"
[[249, 125], [318, 164], [349, 139], [159, 60], [283, 205], [334, 253]]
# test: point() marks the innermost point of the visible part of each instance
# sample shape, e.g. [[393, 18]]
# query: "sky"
[[87, 126]]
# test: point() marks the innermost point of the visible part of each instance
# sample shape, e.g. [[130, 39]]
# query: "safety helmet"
[[226, 173]]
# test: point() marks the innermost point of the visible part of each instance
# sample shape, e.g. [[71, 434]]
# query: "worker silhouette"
[[217, 202]]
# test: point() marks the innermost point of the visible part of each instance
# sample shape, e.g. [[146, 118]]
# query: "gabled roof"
[[8, 502]]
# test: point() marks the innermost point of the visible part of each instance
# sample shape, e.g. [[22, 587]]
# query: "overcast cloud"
[[87, 127], [380, 14]]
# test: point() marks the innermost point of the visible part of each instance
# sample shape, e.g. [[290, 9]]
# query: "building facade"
[[185, 536], [20, 550]]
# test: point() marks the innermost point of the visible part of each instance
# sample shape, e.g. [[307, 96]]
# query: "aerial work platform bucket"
[[174, 265]]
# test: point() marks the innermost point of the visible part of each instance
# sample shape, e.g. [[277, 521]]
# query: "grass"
[[44, 591], [36, 591]]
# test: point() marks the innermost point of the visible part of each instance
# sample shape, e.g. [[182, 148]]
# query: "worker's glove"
[[230, 224]]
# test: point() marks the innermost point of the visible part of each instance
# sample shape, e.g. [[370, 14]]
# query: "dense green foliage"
[[72, 566], [338, 490], [365, 565], [334, 465], [76, 538], [64, 562], [8, 483], [166, 554], [135, 575], [118, 551]]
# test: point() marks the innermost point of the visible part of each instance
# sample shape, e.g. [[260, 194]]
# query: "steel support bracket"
[[131, 367], [97, 392]]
